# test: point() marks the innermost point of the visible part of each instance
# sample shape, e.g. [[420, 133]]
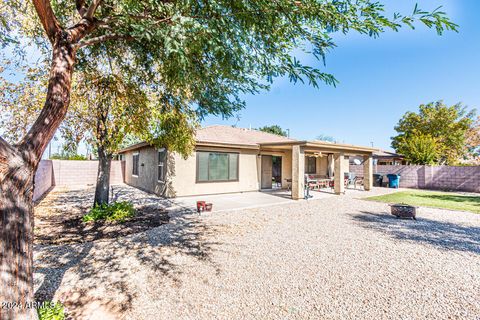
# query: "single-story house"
[[229, 159], [382, 157]]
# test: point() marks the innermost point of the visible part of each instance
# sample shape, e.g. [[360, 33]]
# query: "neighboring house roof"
[[133, 147], [386, 154]]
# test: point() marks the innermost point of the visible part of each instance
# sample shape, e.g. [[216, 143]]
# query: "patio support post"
[[339, 173], [298, 172], [367, 172]]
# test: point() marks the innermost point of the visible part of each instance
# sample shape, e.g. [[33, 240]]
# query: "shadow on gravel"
[[444, 235], [108, 273], [58, 218]]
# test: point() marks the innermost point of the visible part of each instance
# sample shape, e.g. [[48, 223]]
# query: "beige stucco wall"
[[322, 164], [181, 173], [286, 168], [183, 180], [147, 170]]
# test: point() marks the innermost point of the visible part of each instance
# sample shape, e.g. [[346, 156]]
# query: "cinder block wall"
[[71, 173], [79, 173], [43, 178], [431, 177]]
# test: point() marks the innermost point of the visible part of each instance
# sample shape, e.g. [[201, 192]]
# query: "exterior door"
[[266, 182]]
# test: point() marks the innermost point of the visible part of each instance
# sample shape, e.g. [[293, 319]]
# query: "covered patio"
[[320, 160]]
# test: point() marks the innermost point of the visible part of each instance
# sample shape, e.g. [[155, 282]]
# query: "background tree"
[[128, 140], [202, 55], [68, 155], [473, 143], [20, 101], [324, 137], [447, 125], [420, 149], [275, 129], [113, 108]]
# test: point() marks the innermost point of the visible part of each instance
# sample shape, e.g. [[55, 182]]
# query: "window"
[[311, 165], [217, 166], [136, 157], [162, 164]]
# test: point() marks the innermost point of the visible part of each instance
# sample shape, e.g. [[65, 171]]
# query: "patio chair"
[[358, 181], [332, 183], [289, 184], [309, 181]]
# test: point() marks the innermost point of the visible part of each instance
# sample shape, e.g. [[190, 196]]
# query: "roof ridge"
[[247, 130]]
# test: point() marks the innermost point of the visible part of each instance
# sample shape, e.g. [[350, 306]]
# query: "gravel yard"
[[333, 258]]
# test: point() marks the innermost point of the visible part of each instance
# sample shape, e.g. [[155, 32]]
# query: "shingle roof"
[[232, 135], [384, 153], [227, 135]]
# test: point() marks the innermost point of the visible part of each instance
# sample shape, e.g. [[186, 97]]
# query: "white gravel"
[[334, 258]]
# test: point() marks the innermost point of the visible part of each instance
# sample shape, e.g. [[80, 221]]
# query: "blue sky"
[[380, 79]]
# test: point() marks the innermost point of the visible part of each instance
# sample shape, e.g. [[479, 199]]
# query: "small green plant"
[[51, 311], [117, 211]]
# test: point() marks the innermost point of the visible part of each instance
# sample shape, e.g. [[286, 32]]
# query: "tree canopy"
[[473, 136], [275, 129], [436, 128], [206, 55], [325, 137], [420, 149]]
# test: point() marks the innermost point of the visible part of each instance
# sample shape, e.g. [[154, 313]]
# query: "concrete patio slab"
[[234, 201], [244, 200]]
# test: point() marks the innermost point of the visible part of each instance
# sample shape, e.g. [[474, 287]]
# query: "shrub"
[[51, 311], [62, 156], [117, 211]]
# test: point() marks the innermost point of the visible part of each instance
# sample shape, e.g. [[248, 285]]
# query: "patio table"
[[323, 183]]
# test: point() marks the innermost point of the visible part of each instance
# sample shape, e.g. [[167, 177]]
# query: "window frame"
[[163, 165], [135, 154], [308, 171], [208, 166]]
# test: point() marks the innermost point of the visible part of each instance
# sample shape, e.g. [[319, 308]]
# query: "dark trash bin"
[[393, 180], [377, 179]]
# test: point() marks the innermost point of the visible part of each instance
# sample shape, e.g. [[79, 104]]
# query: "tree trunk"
[[103, 177], [16, 234], [17, 169]]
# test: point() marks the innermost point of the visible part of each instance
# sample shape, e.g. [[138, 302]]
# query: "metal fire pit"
[[404, 211]]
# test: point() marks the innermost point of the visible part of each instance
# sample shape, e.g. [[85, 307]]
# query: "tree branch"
[[47, 18], [103, 38], [80, 4], [91, 9]]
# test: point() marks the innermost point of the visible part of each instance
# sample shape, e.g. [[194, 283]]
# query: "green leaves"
[[421, 149], [275, 129], [51, 311], [116, 211], [435, 125], [210, 53], [177, 61]]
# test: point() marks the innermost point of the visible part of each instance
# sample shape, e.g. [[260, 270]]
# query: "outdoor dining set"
[[317, 182]]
